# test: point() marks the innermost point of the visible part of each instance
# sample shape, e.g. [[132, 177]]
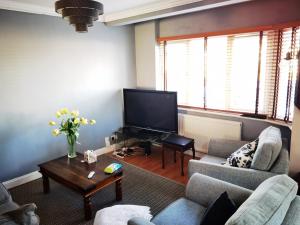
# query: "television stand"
[[146, 145], [145, 137]]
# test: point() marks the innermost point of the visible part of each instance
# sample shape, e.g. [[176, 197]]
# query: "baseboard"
[[36, 174], [22, 179], [104, 150]]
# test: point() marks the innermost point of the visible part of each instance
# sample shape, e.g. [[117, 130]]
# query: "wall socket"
[[113, 139], [107, 142]]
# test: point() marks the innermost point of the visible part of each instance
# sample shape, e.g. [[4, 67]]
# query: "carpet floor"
[[65, 207]]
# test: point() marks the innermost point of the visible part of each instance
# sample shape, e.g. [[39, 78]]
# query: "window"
[[247, 73], [188, 73]]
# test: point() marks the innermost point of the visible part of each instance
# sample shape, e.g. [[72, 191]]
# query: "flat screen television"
[[152, 110]]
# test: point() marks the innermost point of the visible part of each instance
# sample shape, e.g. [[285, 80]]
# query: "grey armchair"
[[269, 165], [13, 214], [200, 192], [274, 202]]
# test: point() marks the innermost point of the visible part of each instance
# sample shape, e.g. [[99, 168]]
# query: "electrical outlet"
[[107, 142], [113, 139]]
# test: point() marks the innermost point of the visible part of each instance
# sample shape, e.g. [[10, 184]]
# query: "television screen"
[[155, 110]]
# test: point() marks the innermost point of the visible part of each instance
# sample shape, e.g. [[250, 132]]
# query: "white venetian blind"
[[232, 72], [185, 71], [288, 66], [218, 77], [249, 73]]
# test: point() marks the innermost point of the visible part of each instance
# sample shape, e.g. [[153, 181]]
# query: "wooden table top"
[[73, 172]]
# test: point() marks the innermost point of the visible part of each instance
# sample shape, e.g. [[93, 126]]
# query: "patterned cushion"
[[243, 156]]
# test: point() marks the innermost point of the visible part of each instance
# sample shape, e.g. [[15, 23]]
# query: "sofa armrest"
[[204, 190], [139, 221], [281, 165], [23, 215], [4, 194], [244, 177], [223, 148]]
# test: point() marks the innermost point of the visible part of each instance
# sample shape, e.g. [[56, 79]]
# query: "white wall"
[[295, 144], [145, 51]]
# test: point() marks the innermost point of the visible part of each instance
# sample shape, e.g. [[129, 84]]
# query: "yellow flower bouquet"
[[69, 125]]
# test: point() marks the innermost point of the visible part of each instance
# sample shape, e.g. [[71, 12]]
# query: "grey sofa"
[[271, 158], [274, 202], [13, 214]]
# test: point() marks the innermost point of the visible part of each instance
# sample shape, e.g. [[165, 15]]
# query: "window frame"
[[260, 30]]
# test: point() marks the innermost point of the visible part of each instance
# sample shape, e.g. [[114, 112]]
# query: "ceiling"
[[110, 6], [122, 12]]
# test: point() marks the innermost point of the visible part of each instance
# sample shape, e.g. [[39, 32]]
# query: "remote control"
[[91, 174]]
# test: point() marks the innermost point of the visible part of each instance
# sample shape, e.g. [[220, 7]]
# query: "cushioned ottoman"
[[120, 214]]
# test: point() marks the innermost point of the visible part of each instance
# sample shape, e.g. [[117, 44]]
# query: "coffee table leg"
[[119, 195], [87, 208], [46, 184]]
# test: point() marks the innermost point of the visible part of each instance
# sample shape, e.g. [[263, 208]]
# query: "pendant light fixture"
[[79, 13]]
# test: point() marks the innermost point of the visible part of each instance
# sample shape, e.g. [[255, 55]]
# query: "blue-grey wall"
[[243, 15], [46, 65]]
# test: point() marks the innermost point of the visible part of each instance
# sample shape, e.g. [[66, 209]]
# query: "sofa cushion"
[[213, 159], [223, 206], [243, 156], [281, 165], [268, 204], [292, 216], [180, 212], [268, 149]]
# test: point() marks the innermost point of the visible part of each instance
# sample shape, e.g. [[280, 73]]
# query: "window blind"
[[248, 73], [185, 70]]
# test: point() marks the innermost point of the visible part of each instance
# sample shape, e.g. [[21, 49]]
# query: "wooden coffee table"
[[72, 173]]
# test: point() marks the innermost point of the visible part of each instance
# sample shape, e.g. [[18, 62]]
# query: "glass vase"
[[72, 151], [71, 146]]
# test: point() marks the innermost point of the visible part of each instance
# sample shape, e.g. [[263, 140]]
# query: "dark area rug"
[[63, 206]]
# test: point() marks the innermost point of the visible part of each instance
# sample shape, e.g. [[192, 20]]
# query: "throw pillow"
[[219, 211], [243, 156]]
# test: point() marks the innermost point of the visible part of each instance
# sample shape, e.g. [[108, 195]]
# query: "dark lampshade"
[[80, 13]]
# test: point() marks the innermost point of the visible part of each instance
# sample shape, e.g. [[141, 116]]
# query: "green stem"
[[71, 141]]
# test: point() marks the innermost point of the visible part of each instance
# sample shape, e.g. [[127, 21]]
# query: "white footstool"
[[120, 214]]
